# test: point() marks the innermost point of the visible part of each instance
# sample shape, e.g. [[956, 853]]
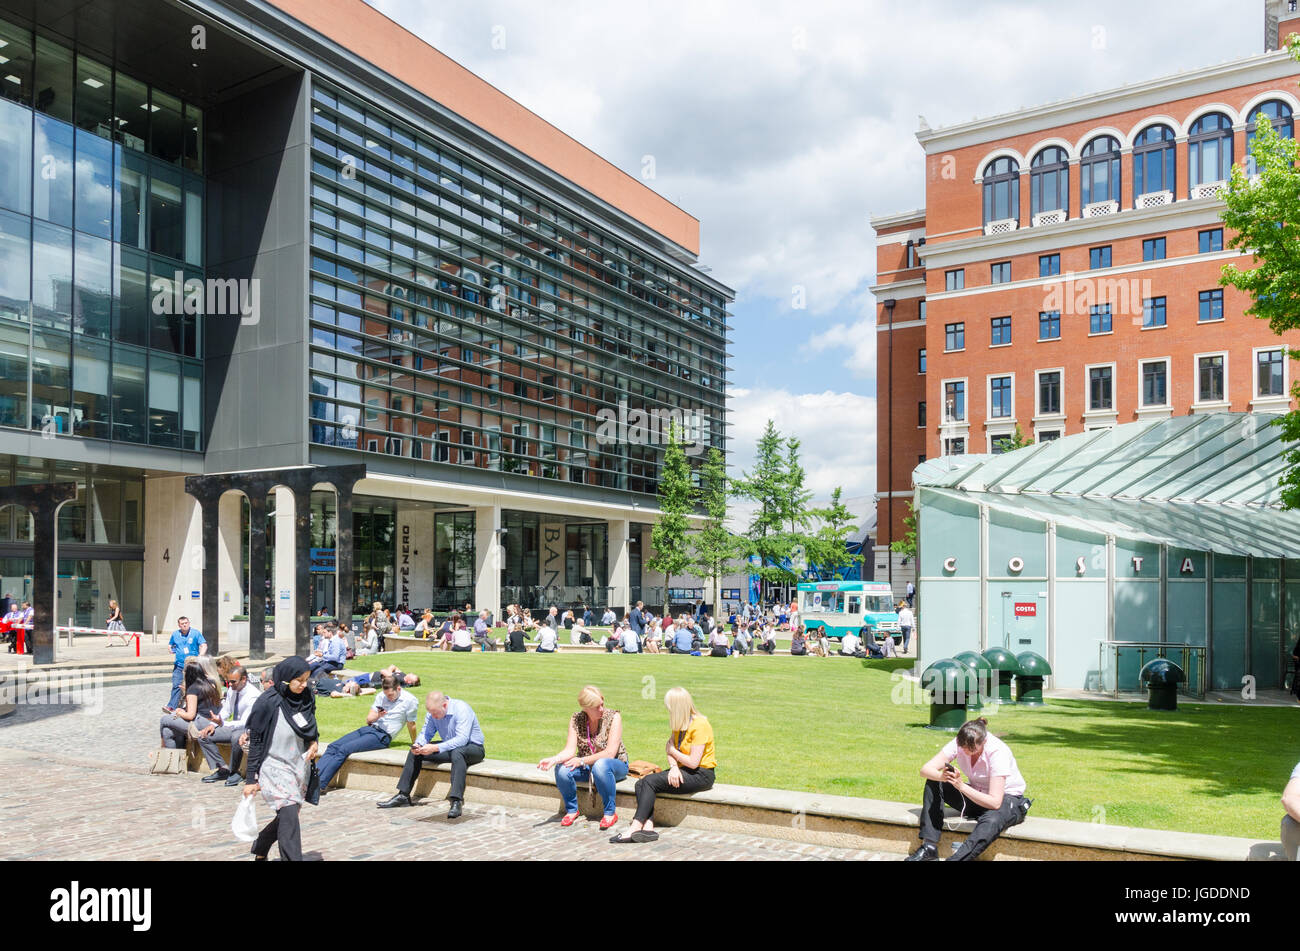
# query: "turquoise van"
[[843, 607]]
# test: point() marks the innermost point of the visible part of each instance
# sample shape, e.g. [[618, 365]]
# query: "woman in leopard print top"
[[594, 750]]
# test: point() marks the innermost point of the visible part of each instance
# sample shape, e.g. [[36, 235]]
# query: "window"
[[1211, 305], [1099, 257], [1154, 383], [1049, 325], [1000, 398], [1049, 265], [1001, 190], [1279, 117], [954, 337], [1001, 331], [1100, 389], [1049, 392], [910, 259], [1153, 249], [1000, 273], [955, 280], [1153, 161], [953, 447], [1099, 170], [1153, 312], [954, 401], [1099, 319], [1209, 145], [1049, 180], [1268, 373], [920, 360], [920, 308], [1209, 378], [1211, 240], [1048, 435], [920, 415]]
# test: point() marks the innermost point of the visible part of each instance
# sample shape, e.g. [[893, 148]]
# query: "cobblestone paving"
[[76, 786]]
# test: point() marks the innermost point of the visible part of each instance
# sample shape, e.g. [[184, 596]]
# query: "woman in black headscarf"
[[281, 745]]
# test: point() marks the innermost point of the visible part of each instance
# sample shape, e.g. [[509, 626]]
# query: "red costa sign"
[[1026, 609]]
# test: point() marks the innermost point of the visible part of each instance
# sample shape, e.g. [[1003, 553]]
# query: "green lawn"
[[830, 725]]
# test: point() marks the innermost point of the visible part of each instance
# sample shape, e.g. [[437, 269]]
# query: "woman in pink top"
[[992, 792]]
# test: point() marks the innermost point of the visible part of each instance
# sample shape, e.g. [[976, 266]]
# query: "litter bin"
[[1029, 682], [952, 685], [1005, 667], [1162, 677], [983, 671]]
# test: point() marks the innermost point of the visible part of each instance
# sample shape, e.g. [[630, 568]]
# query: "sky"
[[784, 126]]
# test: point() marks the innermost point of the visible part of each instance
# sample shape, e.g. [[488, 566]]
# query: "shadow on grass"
[[890, 664]]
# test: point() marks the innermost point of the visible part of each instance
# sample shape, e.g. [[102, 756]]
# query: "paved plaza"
[[77, 787]]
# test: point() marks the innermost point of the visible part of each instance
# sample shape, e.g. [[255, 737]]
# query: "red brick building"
[[1064, 274]]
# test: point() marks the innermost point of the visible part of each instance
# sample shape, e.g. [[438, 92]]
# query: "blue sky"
[[783, 126]]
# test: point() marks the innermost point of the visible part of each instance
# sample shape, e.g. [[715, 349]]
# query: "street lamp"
[[889, 451]]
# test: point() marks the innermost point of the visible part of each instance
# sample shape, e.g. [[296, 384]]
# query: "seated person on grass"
[[515, 637], [462, 638], [718, 643], [851, 646], [683, 640], [394, 707], [546, 640], [766, 640]]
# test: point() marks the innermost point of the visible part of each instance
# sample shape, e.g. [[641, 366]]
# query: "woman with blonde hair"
[[691, 764], [594, 750]]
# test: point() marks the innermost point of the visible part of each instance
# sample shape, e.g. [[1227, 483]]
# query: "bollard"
[[953, 686], [137, 645], [1162, 677], [983, 674], [1005, 667], [1029, 682]]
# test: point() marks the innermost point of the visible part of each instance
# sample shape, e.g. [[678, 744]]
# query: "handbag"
[[312, 795], [639, 768], [166, 762], [244, 822]]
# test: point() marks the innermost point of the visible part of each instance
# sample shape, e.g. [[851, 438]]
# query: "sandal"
[[621, 839], [645, 835], [608, 822], [569, 819]]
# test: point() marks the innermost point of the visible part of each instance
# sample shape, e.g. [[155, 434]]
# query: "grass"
[[832, 726]]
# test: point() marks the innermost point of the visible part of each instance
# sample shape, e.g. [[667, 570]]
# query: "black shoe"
[[234, 780], [401, 799], [454, 811], [217, 775], [926, 853]]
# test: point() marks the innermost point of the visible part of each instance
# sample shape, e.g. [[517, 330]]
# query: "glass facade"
[[459, 317], [101, 207]]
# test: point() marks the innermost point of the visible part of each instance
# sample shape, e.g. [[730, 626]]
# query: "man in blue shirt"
[[682, 640], [461, 745], [332, 653], [185, 642]]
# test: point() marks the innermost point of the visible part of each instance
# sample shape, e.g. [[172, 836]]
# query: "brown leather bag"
[[639, 767]]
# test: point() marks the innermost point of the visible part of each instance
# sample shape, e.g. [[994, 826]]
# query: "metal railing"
[[1112, 678]]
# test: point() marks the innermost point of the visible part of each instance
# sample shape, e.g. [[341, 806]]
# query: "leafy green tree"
[[676, 501], [768, 487], [713, 548], [907, 544], [826, 549], [1264, 211], [1016, 440]]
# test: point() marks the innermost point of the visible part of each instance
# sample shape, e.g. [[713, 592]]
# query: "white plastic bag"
[[244, 824]]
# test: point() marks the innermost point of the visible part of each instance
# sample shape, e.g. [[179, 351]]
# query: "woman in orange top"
[[691, 764]]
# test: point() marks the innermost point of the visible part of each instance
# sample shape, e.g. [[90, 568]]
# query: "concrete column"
[[285, 608], [173, 554], [209, 506], [489, 559], [620, 565], [257, 572], [230, 573], [345, 571]]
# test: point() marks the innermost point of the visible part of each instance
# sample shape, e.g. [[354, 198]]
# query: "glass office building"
[[456, 300]]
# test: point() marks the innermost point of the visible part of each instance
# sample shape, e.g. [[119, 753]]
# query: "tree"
[[907, 544], [768, 487], [1016, 440], [1264, 211], [672, 556], [713, 547], [827, 548]]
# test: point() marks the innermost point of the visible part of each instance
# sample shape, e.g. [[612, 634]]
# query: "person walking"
[[114, 621], [911, 595], [906, 621], [185, 642], [282, 741]]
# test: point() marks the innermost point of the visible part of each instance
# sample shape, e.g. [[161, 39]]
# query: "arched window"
[[1001, 190], [1049, 180], [1099, 170], [1278, 114], [1153, 161], [1209, 146]]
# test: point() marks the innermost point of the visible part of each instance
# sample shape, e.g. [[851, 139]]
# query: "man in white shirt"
[[607, 618], [630, 644], [851, 646], [462, 639], [236, 705], [394, 706], [906, 621], [546, 639]]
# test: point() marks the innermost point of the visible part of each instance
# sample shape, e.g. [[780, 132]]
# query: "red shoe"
[[569, 820], [608, 822]]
